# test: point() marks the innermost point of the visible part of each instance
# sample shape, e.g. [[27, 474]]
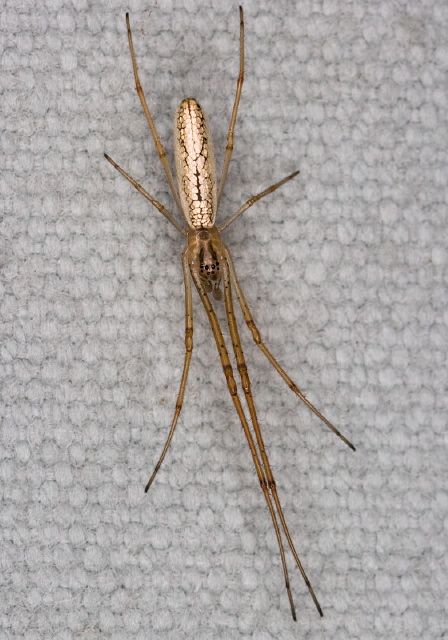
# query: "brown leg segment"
[[159, 147], [255, 199], [188, 354], [228, 372], [257, 338], [152, 200], [245, 382], [239, 87]]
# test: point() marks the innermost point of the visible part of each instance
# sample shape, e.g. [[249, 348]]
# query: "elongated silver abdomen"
[[195, 165]]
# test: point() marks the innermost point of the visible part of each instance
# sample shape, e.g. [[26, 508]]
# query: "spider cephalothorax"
[[206, 257]]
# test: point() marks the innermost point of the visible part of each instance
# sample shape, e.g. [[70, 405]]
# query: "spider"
[[207, 261]]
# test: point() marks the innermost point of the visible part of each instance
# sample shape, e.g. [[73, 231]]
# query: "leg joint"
[[253, 328], [189, 339], [230, 379]]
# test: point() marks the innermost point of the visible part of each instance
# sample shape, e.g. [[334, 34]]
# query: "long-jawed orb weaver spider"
[[207, 261]]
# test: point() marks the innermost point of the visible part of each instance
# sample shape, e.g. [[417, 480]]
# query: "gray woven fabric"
[[345, 270]]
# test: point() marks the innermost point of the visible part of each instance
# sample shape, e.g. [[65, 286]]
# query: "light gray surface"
[[345, 270]]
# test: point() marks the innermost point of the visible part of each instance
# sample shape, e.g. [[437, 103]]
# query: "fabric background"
[[345, 270]]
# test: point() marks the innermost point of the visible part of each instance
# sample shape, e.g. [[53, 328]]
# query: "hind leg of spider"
[[257, 338], [228, 372], [158, 144], [188, 354], [245, 383]]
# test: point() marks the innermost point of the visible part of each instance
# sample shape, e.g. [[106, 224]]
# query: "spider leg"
[[245, 382], [188, 354], [152, 200], [159, 147], [228, 372], [254, 199], [230, 134], [257, 338]]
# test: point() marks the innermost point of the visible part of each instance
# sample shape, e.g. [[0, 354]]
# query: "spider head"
[[209, 268]]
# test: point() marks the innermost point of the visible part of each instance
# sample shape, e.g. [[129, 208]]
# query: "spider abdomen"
[[195, 165]]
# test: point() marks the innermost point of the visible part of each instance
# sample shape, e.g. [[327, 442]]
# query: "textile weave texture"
[[344, 268]]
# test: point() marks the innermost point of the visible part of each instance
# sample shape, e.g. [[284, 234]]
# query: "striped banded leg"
[[245, 381], [188, 354], [228, 372], [258, 341]]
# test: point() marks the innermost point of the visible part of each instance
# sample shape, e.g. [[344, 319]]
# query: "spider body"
[[207, 262]]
